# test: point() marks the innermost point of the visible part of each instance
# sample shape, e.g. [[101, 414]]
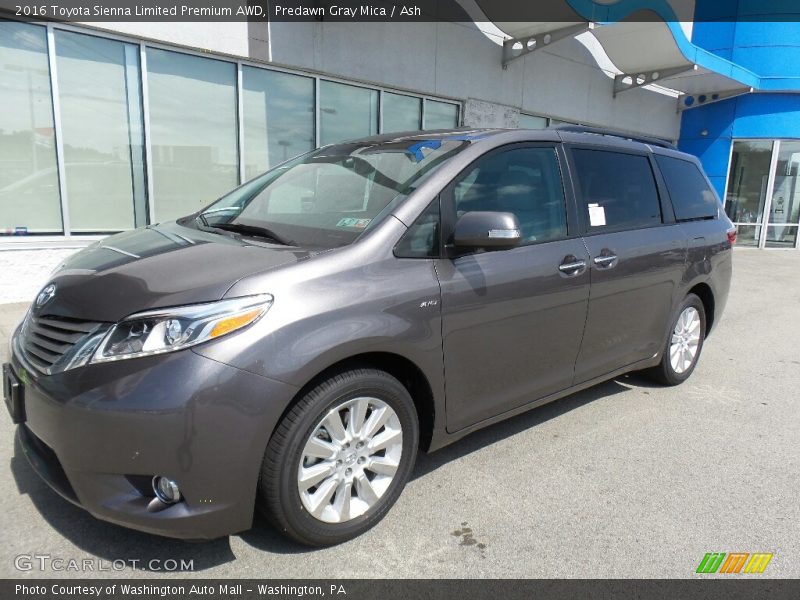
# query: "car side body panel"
[[513, 325], [632, 298]]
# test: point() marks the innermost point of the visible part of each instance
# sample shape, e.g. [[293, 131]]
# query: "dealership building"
[[107, 126]]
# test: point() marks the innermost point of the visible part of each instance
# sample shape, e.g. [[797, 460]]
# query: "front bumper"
[[98, 434]]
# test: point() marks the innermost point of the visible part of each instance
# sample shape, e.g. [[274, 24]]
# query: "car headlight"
[[170, 329]]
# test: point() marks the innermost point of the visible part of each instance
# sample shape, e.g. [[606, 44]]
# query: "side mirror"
[[485, 229]]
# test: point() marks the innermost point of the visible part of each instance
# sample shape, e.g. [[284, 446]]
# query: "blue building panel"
[[767, 116], [764, 10], [767, 46], [715, 36], [771, 61], [716, 119], [708, 10], [768, 34], [713, 153]]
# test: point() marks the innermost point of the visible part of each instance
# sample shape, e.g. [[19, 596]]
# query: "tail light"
[[732, 235]]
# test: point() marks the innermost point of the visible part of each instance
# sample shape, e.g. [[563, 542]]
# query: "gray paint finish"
[[501, 344]]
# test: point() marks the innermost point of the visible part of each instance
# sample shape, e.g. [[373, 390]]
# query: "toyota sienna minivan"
[[290, 347]]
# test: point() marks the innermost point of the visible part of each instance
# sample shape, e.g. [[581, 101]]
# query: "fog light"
[[166, 490]]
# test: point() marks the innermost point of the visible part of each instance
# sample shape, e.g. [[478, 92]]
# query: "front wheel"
[[684, 344], [340, 458]]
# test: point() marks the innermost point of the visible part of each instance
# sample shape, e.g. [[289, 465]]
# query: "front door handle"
[[605, 261], [572, 266]]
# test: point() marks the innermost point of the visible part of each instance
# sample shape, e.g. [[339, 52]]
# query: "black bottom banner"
[[403, 589]]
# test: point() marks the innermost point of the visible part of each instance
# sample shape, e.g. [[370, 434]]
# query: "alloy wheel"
[[350, 459], [685, 340]]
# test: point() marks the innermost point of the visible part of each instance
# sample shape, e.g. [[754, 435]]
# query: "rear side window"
[[691, 197], [618, 190]]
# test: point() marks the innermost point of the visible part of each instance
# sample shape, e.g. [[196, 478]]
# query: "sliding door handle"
[[573, 267], [605, 261]]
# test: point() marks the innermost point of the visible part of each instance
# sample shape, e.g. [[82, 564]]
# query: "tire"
[[359, 393], [667, 373]]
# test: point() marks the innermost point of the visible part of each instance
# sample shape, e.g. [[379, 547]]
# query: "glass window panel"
[[747, 235], [781, 236], [346, 112], [101, 124], [689, 191], [422, 238], [401, 113], [526, 182], [618, 190], [278, 118], [440, 115], [747, 181], [192, 130], [29, 196], [329, 197], [532, 122]]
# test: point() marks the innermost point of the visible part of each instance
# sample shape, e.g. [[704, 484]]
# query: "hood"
[[155, 267]]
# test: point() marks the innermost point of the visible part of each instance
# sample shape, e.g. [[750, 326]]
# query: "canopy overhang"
[[652, 51]]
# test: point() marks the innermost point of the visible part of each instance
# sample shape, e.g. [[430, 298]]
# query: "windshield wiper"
[[254, 231]]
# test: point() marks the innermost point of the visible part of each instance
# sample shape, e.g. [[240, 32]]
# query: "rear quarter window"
[[691, 196]]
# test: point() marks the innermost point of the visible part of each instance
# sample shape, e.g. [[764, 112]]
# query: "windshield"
[[329, 197]]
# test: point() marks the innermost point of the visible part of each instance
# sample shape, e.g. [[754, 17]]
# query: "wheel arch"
[[703, 291], [396, 365]]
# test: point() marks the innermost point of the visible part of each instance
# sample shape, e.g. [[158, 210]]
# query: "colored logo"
[[734, 562], [45, 295]]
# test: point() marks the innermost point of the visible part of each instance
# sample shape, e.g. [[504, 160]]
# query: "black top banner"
[[496, 11]]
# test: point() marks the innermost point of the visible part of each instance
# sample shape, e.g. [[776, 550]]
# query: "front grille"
[[47, 339]]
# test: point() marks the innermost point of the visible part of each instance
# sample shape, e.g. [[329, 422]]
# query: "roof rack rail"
[[653, 141]]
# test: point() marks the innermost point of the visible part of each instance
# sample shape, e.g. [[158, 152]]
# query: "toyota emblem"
[[46, 295]]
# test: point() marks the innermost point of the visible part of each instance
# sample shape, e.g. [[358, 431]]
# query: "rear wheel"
[[684, 344], [340, 458]]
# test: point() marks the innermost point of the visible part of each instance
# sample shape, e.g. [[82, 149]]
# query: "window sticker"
[[355, 223], [597, 215]]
